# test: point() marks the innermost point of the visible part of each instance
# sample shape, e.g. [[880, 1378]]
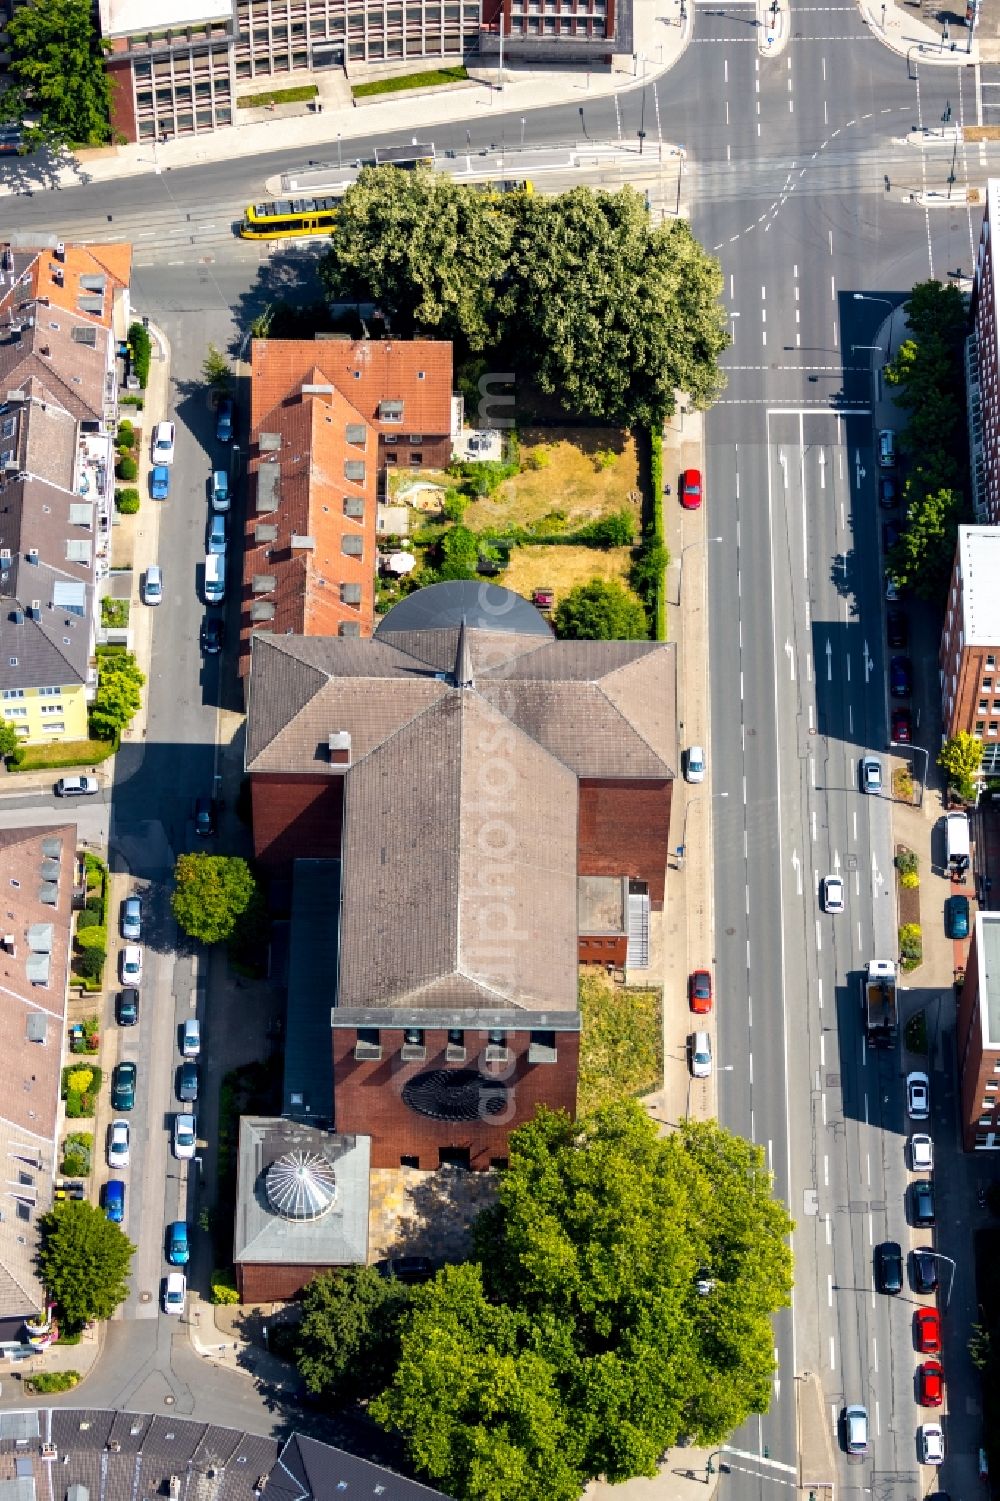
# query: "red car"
[[927, 1328], [901, 724], [930, 1383], [700, 992], [691, 489]]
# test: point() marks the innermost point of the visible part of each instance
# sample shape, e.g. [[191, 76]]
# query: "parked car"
[[191, 1038], [174, 1293], [891, 587], [694, 764], [159, 483], [123, 1079], [889, 1267], [130, 964], [406, 1268], [113, 1198], [700, 992], [890, 535], [855, 1430], [213, 633], [77, 787], [690, 488], [901, 677], [923, 1268], [204, 816], [163, 443], [871, 774], [127, 1007], [897, 628], [886, 448], [187, 1082], [224, 420], [930, 1442], [833, 894], [152, 585], [185, 1136], [178, 1244], [918, 1096], [132, 918], [921, 1153], [888, 490], [930, 1383], [902, 726], [700, 1055], [118, 1144], [927, 1331], [922, 1203], [220, 490], [956, 917], [218, 532]]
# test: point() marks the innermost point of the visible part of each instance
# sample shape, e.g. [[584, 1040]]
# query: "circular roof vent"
[[301, 1186]]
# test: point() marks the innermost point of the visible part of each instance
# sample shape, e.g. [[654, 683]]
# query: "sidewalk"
[[904, 32]]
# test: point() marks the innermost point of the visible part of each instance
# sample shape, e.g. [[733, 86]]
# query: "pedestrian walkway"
[[904, 31]]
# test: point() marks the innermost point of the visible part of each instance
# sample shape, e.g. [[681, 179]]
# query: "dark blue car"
[[956, 917], [178, 1250], [224, 421], [114, 1200], [160, 483], [900, 677]]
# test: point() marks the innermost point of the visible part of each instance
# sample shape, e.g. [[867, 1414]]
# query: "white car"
[[118, 1153], [918, 1096], [930, 1441], [163, 443], [152, 585], [131, 964], [174, 1293], [77, 786], [921, 1153], [694, 768], [700, 1055], [185, 1136], [833, 894]]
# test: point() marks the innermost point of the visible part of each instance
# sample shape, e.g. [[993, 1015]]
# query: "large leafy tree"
[[961, 758], [601, 610], [118, 697], [211, 894], [622, 1301], [349, 1338], [57, 72], [83, 1262], [922, 558]]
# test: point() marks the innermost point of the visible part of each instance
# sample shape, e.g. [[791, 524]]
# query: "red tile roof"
[[417, 372]]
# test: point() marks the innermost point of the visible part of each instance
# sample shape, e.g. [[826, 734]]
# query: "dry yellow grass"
[[562, 568], [569, 481]]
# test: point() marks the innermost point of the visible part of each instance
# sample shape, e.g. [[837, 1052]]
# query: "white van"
[[215, 578], [191, 1038], [956, 839]]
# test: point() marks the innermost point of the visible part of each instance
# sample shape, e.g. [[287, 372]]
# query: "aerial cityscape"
[[499, 750]]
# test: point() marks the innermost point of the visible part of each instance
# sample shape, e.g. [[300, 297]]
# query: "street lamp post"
[[680, 560], [918, 750], [939, 1256], [522, 132], [867, 297], [340, 149]]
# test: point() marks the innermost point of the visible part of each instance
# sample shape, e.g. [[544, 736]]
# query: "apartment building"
[[978, 1032], [970, 643], [63, 309], [982, 369]]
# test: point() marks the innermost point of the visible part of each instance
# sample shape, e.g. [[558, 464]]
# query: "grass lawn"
[[562, 568], [409, 81], [571, 480], [278, 96], [621, 1047], [65, 753]]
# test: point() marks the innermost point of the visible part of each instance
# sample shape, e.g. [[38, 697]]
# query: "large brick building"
[[982, 369], [468, 770], [978, 1033], [970, 643]]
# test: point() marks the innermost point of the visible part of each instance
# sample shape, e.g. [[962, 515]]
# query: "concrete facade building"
[[982, 368], [978, 1033], [970, 643]]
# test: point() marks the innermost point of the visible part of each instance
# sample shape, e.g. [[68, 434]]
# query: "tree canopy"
[[9, 738], [579, 292], [118, 699], [579, 1344], [83, 1262], [348, 1340], [961, 758], [57, 72], [211, 894], [601, 610]]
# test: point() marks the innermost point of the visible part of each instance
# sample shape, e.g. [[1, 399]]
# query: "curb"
[[773, 28], [928, 49]]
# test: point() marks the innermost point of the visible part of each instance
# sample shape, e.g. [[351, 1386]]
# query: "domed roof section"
[[482, 606], [301, 1186]]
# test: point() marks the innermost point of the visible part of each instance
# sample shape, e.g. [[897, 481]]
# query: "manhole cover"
[[169, 1401], [145, 1297]]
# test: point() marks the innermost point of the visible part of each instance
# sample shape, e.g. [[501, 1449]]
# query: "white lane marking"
[[875, 1352], [826, 1172], [773, 1464], [725, 70], [814, 825], [819, 937], [855, 824], [829, 1231], [871, 1231], [819, 985], [770, 1156], [812, 760], [833, 289], [833, 1354], [823, 1103], [861, 942], [868, 1168], [878, 1422]]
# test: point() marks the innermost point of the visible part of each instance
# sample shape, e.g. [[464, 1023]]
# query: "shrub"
[[127, 501], [126, 434], [115, 612], [906, 862], [909, 880], [537, 458], [224, 1287], [455, 505], [911, 947], [617, 530], [604, 458], [126, 467], [142, 348], [95, 937], [90, 964], [96, 904], [75, 1165], [54, 1381], [87, 920], [78, 1080], [132, 399]]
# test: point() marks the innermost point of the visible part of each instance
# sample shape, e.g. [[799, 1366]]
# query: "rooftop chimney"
[[339, 747]]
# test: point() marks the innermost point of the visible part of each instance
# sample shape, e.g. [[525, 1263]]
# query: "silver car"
[[152, 587], [700, 1055], [132, 919], [856, 1430], [871, 774]]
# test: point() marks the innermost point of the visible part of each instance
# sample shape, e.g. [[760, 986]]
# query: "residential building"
[[63, 309], [982, 369], [978, 1033], [970, 643], [37, 867], [328, 416], [468, 770]]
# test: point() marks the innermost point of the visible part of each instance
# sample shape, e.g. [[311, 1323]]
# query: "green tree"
[[601, 610], [9, 739], [962, 757], [211, 892], [217, 370], [57, 74], [922, 558], [118, 696], [459, 553], [83, 1262], [348, 1342]]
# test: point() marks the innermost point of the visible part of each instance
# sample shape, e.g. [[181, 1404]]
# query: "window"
[[13, 692], [16, 713], [984, 706], [416, 458], [408, 1160], [48, 692], [499, 1163], [991, 1086], [980, 726], [413, 1050], [368, 1044], [414, 1037], [354, 469], [55, 728], [542, 1048], [991, 661], [356, 434], [416, 437], [987, 686], [391, 411], [994, 726], [52, 708]]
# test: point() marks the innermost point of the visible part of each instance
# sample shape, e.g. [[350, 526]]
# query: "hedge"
[[224, 1288], [126, 434], [127, 501], [126, 467], [142, 348]]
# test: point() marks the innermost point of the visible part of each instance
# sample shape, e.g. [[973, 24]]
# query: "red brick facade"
[[611, 950], [624, 830], [273, 1283], [296, 817], [122, 107], [368, 1096]]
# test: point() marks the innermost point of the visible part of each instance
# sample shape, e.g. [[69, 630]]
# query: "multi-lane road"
[[799, 176]]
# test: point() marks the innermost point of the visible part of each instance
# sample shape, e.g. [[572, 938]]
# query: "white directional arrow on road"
[[868, 663], [790, 654], [829, 662], [822, 469], [784, 468], [797, 867], [858, 467], [836, 859], [877, 877]]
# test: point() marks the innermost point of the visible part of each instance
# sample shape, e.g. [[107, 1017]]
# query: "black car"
[[224, 421], [406, 1268], [213, 633], [890, 535], [923, 1266], [127, 1008], [204, 816], [187, 1082], [922, 1200], [888, 491], [900, 677], [897, 629], [889, 1267]]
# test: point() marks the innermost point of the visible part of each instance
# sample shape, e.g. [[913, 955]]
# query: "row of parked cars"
[[124, 1092]]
